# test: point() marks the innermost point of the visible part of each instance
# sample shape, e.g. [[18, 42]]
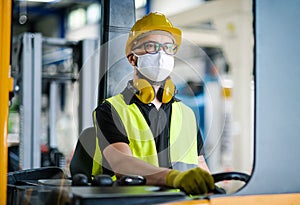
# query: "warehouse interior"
[[55, 63], [236, 68]]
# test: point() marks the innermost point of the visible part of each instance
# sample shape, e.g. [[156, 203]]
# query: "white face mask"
[[157, 67]]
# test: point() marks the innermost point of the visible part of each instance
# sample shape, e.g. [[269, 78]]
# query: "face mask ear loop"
[[137, 57]]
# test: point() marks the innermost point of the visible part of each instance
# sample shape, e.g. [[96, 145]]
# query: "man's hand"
[[193, 181]]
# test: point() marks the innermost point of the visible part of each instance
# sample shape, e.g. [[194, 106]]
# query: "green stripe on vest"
[[138, 132], [97, 160], [183, 135]]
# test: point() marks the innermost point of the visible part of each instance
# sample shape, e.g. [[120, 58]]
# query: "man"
[[145, 130]]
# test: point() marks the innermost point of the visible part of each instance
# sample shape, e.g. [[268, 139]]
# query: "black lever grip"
[[131, 181], [102, 180]]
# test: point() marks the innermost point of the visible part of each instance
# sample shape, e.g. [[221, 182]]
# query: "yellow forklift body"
[[274, 199], [6, 85]]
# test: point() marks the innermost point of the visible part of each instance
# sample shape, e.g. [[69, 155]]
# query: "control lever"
[[102, 180], [106, 180], [80, 180], [133, 180]]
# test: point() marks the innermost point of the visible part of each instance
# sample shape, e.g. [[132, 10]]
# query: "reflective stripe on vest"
[[183, 134], [97, 160]]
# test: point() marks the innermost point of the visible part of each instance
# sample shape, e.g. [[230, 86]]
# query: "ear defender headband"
[[145, 92]]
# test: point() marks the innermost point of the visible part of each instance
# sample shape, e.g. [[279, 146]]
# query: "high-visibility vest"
[[183, 135]]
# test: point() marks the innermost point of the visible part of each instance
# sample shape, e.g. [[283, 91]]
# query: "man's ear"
[[132, 59]]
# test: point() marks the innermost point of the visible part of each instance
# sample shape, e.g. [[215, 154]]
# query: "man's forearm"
[[123, 163], [129, 165]]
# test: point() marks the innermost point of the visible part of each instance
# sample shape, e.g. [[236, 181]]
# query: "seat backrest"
[[82, 160]]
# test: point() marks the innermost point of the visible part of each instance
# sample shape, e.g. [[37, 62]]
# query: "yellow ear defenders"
[[166, 92], [146, 93]]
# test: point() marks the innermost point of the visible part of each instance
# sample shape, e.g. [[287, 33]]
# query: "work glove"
[[192, 181]]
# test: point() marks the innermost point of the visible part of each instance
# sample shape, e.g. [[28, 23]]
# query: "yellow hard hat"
[[150, 22]]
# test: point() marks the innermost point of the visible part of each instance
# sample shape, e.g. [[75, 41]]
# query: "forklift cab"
[[272, 176]]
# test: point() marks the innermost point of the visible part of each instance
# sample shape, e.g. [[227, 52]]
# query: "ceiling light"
[[42, 1]]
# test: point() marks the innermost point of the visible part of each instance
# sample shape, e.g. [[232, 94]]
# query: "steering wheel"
[[218, 177]]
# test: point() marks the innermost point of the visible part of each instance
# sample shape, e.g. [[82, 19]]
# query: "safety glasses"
[[153, 47]]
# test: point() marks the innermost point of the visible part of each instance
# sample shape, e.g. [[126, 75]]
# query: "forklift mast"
[[117, 19]]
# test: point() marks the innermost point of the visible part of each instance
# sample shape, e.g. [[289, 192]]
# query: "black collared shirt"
[[112, 129]]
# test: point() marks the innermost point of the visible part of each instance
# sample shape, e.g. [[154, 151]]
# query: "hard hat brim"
[[175, 32]]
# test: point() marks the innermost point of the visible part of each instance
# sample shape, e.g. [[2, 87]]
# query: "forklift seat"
[[82, 160]]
